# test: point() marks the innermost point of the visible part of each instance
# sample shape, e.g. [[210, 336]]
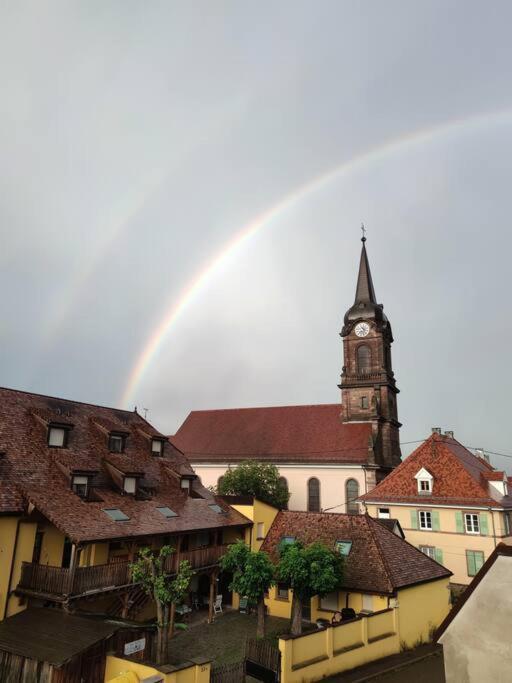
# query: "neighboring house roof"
[[379, 561], [502, 549], [280, 434], [393, 525], [32, 473], [459, 477]]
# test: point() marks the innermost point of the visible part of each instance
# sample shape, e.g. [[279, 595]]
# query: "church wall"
[[332, 482]]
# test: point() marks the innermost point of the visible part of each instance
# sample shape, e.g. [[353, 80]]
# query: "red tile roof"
[[457, 477], [379, 560], [31, 472], [279, 434]]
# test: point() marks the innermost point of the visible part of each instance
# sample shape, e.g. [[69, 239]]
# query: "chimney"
[[481, 454], [436, 430], [449, 434]]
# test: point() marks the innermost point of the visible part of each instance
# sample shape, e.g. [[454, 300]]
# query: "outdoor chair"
[[183, 609], [217, 605], [348, 613], [244, 606]]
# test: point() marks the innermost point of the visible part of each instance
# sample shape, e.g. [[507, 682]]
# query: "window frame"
[[65, 429], [81, 483], [112, 437], [125, 490], [431, 548], [351, 504], [260, 526], [420, 526], [386, 515], [316, 494], [474, 553], [471, 529], [282, 588], [159, 453], [363, 368]]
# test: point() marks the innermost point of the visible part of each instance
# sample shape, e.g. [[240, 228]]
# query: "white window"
[[57, 437], [472, 524], [80, 486], [260, 530], [429, 551], [383, 513], [130, 484], [185, 484], [329, 601], [425, 519], [156, 446], [424, 481], [424, 486], [115, 443]]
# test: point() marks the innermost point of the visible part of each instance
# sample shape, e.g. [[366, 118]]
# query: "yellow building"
[[381, 572], [452, 505], [261, 515]]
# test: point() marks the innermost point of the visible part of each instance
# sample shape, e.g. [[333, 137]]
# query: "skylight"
[[116, 514], [167, 512], [288, 539], [217, 509], [343, 547]]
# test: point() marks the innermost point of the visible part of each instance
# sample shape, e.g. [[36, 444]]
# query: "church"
[[327, 454]]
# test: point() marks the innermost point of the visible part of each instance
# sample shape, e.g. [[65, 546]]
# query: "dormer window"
[[157, 447], [185, 484], [80, 486], [116, 443], [130, 485], [425, 482], [58, 436]]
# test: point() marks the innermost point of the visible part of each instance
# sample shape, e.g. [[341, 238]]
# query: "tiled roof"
[[379, 560], [459, 477], [279, 434], [31, 472]]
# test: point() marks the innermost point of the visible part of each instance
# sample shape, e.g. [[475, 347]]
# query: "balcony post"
[[72, 569], [213, 577], [127, 602]]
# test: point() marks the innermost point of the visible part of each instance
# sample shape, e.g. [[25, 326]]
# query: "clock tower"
[[368, 388]]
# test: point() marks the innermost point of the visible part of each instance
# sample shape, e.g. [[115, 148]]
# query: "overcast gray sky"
[[138, 140]]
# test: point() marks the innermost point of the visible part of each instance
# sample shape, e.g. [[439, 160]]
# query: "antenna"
[[146, 411]]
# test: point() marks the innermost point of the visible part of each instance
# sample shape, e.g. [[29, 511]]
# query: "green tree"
[[257, 479], [308, 571], [166, 590], [253, 574]]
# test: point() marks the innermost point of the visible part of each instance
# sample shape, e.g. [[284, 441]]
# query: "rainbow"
[[199, 282]]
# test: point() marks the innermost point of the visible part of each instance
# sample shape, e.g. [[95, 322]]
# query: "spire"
[[365, 291]]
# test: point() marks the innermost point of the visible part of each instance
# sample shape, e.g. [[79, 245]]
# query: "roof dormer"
[[425, 482]]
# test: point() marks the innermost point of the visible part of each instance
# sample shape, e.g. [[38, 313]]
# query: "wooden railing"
[[50, 580]]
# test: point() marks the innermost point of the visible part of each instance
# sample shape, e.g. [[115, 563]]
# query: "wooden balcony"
[[61, 584]]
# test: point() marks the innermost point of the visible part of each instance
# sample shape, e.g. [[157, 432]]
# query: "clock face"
[[362, 329]]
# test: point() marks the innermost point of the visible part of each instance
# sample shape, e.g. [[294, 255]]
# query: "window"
[[284, 483], [472, 524], [216, 508], [219, 481], [474, 561], [329, 601], [425, 519], [167, 512], [260, 530], [287, 539], [202, 539], [116, 514], [57, 437], [116, 443], [383, 513], [313, 495], [282, 591], [428, 550], [80, 485], [424, 486], [508, 523], [343, 547], [38, 544], [351, 493], [130, 484], [185, 484], [364, 359], [157, 446], [364, 402]]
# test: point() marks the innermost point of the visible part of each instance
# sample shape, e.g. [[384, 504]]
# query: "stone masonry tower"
[[368, 388]]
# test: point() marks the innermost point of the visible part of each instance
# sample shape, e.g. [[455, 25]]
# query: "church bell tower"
[[368, 387]]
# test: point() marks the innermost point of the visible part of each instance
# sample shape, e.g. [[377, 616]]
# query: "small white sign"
[[135, 646]]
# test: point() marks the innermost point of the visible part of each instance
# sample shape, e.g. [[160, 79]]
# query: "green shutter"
[[479, 560], [470, 559], [484, 530], [435, 521], [459, 524], [414, 519], [439, 555]]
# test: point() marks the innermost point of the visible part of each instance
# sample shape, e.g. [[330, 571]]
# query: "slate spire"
[[365, 291]]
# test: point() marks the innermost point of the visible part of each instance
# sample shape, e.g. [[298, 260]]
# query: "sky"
[[182, 186]]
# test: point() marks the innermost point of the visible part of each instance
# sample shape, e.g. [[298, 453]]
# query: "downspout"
[[493, 527], [11, 571]]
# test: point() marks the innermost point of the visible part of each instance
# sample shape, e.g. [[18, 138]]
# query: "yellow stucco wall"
[[24, 550], [119, 670], [421, 609], [52, 546], [452, 544], [261, 514]]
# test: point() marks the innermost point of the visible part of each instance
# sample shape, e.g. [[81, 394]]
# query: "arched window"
[[351, 493], [219, 482], [284, 482], [313, 495], [364, 359]]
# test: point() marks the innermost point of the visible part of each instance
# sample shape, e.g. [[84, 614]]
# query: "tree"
[[149, 571], [253, 574], [308, 571], [257, 479]]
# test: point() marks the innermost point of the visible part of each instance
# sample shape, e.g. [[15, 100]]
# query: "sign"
[[135, 646]]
